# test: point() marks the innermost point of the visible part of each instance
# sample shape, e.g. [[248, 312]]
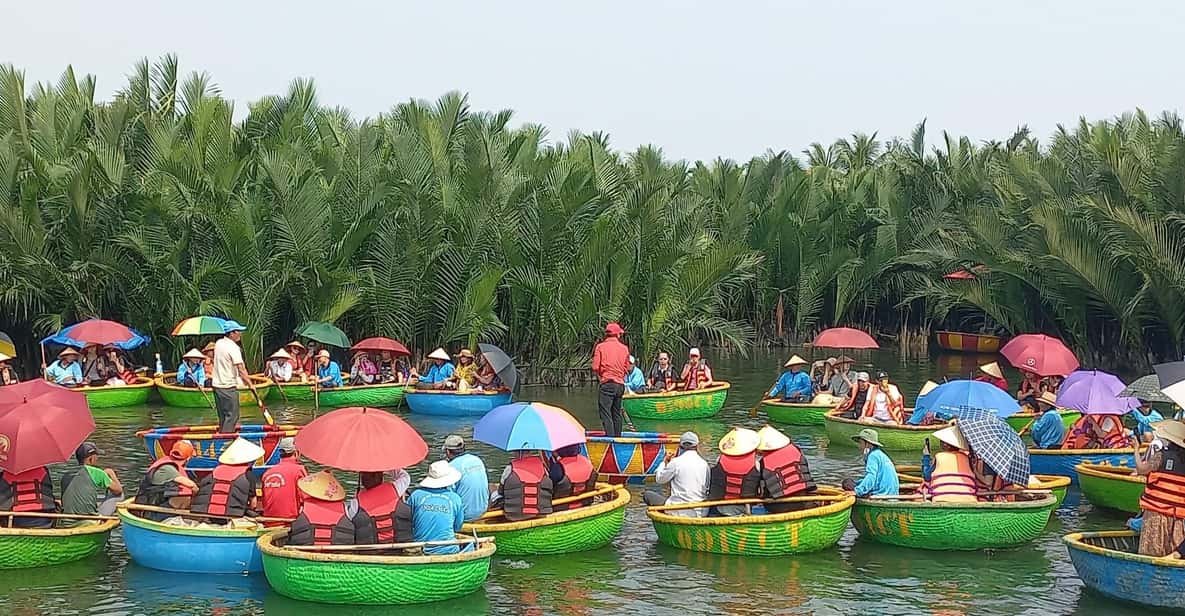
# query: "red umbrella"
[[844, 338], [1040, 354], [41, 424], [361, 439], [378, 343]]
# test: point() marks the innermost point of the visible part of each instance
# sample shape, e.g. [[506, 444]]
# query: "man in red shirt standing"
[[610, 361], [281, 499]]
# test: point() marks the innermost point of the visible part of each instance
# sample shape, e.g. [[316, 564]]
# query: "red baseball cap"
[[613, 329]]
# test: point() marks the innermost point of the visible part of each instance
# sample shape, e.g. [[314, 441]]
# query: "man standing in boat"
[[611, 359], [228, 371]]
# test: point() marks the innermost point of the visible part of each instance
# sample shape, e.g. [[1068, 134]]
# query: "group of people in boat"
[[87, 490], [294, 363], [94, 366], [832, 382]]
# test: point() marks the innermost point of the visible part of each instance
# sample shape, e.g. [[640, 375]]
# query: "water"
[[634, 574]]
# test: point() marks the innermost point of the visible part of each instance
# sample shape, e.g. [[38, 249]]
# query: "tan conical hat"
[[281, 354], [951, 436], [193, 354], [795, 361], [4, 357], [323, 486], [1170, 430], [68, 351], [771, 439], [240, 451], [993, 369], [209, 347], [439, 353], [1048, 398], [738, 442], [295, 343], [927, 388]]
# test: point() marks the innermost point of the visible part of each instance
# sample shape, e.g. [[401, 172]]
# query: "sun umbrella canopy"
[[1146, 388], [1041, 354], [1172, 381], [501, 363], [1094, 392], [379, 344], [844, 338], [1000, 447], [101, 332], [201, 326], [325, 333], [6, 345], [529, 425], [41, 424], [361, 439], [962, 397]]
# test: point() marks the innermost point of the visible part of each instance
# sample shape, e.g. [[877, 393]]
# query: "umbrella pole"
[[43, 365]]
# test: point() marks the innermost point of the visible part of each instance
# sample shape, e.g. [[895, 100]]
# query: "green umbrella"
[[325, 333]]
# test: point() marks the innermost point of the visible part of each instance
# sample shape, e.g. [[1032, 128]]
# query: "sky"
[[700, 80]]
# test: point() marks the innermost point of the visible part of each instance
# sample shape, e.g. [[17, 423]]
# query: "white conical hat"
[[738, 442], [193, 354], [241, 451], [439, 353], [281, 354], [951, 436], [771, 439], [993, 369], [927, 388], [795, 360]]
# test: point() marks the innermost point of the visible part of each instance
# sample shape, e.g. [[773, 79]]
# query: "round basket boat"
[[1113, 487], [795, 413], [24, 548], [371, 578], [632, 457], [678, 404], [892, 437], [116, 396], [1023, 419], [182, 549], [1109, 563], [208, 443], [191, 397], [374, 396], [952, 526], [442, 402], [910, 475], [965, 342], [815, 528], [575, 530], [1063, 461]]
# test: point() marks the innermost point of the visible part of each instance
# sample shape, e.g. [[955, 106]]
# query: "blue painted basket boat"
[[1108, 563], [632, 457], [1062, 461], [208, 443], [189, 550], [452, 404]]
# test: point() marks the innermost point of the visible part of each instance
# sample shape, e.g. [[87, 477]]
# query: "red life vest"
[[696, 376], [952, 480], [322, 522], [226, 491], [1082, 436], [1165, 492], [784, 472], [281, 499], [159, 495], [526, 493], [31, 490], [391, 515], [734, 477], [579, 477]]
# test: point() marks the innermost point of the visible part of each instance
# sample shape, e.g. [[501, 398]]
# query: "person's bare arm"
[[246, 377], [116, 487]]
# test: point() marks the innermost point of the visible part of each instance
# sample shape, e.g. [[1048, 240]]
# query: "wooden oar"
[[370, 547], [753, 411], [497, 513], [185, 513], [828, 498], [56, 516], [267, 415]]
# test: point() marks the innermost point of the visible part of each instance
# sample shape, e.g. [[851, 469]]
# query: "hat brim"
[[441, 482], [859, 438]]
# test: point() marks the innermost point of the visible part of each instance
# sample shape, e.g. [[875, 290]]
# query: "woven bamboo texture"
[[1022, 419], [358, 579], [1107, 564], [28, 548], [795, 413], [695, 404], [952, 526], [575, 530], [1113, 487], [363, 395], [190, 397], [115, 396], [893, 438]]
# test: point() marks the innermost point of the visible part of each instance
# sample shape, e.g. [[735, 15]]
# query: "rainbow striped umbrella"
[[203, 326], [527, 426]]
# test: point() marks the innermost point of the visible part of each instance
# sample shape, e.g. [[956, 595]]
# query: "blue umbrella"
[[997, 444], [958, 398]]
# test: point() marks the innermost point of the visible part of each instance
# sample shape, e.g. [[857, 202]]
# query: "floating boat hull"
[[907, 438], [1108, 564], [25, 548], [795, 413], [376, 396], [1113, 487], [191, 397], [562, 532], [189, 550], [208, 443], [696, 404], [952, 526], [1022, 420], [632, 457], [118, 396], [1062, 461], [452, 404], [964, 342]]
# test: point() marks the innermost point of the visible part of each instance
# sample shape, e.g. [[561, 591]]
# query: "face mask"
[[867, 450]]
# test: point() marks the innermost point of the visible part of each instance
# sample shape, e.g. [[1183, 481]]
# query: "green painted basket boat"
[[116, 396], [774, 534], [361, 578], [574, 530], [695, 404], [375, 396], [841, 430], [795, 413], [25, 548], [952, 526], [190, 397], [1110, 486], [910, 476], [1021, 420]]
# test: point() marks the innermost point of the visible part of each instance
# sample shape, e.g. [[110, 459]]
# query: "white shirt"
[[226, 355], [402, 481], [688, 475], [880, 406], [280, 370]]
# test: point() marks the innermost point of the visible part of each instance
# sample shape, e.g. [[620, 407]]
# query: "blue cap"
[[233, 326]]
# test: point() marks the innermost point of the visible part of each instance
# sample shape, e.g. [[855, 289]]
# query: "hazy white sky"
[[699, 79]]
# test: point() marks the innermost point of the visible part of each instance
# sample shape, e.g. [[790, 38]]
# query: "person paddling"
[[794, 385], [229, 371]]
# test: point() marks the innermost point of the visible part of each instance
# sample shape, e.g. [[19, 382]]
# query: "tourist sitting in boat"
[[696, 373], [1097, 432], [310, 360], [687, 473], [821, 372], [281, 497], [843, 380], [297, 356], [474, 485], [387, 371], [884, 405], [635, 381], [794, 385], [384, 502], [952, 480], [191, 372], [736, 474], [880, 476], [30, 491], [65, 370], [8, 375], [439, 375], [784, 470], [230, 490], [96, 367], [362, 370], [525, 490], [854, 404], [662, 375], [89, 490], [121, 367], [329, 374], [208, 364], [1047, 430], [572, 474], [165, 483], [1163, 500], [324, 518], [464, 375], [487, 378], [991, 373], [1145, 416], [279, 367], [437, 512], [1030, 388]]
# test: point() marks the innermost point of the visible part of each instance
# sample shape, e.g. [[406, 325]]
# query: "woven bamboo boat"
[[575, 530], [771, 534], [189, 550], [632, 457], [910, 476], [115, 396], [361, 578], [1113, 487], [1062, 461], [965, 342], [678, 404], [1108, 563], [25, 548], [952, 526], [191, 397], [1021, 420], [208, 443], [795, 413], [892, 437], [443, 402], [374, 396]]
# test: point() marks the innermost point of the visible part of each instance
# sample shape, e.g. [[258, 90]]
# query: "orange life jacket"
[[322, 522], [734, 477], [391, 515], [1165, 492], [895, 402], [31, 490], [1082, 436], [696, 376], [579, 477], [784, 472], [226, 491], [526, 493], [952, 481]]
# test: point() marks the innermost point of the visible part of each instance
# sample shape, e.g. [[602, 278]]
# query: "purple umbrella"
[[1094, 392]]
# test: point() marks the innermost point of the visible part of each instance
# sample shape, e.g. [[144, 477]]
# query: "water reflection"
[[162, 592]]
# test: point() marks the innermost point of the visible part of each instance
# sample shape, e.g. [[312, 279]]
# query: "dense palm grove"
[[437, 224]]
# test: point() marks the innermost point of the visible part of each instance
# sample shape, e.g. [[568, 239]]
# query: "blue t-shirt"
[[474, 486], [191, 375], [332, 370], [436, 515], [1048, 430], [880, 476], [64, 375], [635, 381], [791, 383], [437, 374]]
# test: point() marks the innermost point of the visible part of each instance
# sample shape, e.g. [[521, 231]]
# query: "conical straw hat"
[[771, 439], [323, 486], [927, 388], [439, 353], [281, 354], [795, 361], [993, 369], [738, 442], [193, 354], [951, 436], [241, 451]]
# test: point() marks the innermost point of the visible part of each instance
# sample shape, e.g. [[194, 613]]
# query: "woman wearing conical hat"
[[279, 366], [991, 373], [736, 474], [191, 372], [230, 489], [794, 385], [784, 470], [324, 518], [439, 374]]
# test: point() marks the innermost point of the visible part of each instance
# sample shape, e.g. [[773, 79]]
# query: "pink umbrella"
[[844, 338], [1040, 354], [41, 424]]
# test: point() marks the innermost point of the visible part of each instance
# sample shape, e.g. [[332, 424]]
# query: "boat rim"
[[798, 405], [664, 438], [1108, 471], [951, 331], [130, 519], [267, 547], [1047, 500], [677, 393], [258, 379], [1084, 452], [95, 529], [412, 391], [340, 388], [1075, 541], [204, 433], [831, 508], [621, 498], [142, 382], [831, 416]]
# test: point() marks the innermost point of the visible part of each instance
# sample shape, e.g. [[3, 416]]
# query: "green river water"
[[634, 574]]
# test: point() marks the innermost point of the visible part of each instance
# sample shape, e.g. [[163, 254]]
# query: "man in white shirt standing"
[[228, 370], [687, 473]]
